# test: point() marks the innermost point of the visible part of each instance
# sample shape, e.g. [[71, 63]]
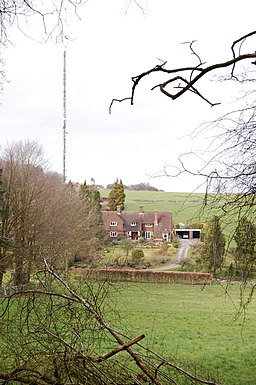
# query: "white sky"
[[110, 47]]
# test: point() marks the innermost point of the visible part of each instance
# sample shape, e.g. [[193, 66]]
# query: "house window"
[[113, 234], [148, 225], [165, 236], [113, 223], [147, 234], [133, 223]]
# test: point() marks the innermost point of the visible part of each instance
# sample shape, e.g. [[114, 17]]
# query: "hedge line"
[[146, 276]]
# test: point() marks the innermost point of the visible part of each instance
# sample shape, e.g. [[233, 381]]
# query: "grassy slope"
[[194, 325]]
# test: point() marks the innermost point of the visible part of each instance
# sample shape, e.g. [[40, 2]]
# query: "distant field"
[[185, 207], [194, 325]]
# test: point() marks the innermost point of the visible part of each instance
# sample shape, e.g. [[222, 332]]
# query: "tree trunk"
[[18, 276]]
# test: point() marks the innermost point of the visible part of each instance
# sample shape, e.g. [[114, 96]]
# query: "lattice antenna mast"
[[64, 118]]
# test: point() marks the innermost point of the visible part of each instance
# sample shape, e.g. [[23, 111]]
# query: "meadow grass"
[[194, 325]]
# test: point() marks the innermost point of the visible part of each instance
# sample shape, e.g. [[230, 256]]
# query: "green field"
[[185, 207], [194, 326]]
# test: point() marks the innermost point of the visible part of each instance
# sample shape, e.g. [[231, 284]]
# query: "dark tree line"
[[136, 187]]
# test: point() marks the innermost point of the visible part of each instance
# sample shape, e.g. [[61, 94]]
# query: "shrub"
[[122, 260], [172, 249], [137, 254], [164, 246], [176, 242]]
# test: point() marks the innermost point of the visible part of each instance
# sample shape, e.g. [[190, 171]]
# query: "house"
[[155, 225]]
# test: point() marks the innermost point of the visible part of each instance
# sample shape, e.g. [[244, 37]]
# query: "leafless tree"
[[44, 217]]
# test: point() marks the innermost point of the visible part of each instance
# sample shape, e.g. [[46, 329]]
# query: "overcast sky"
[[110, 46]]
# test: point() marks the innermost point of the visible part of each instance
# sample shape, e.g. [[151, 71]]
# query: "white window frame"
[[133, 223], [113, 234], [148, 225], [165, 236], [148, 234], [113, 223]]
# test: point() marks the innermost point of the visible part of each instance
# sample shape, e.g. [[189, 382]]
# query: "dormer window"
[[133, 223], [113, 223], [148, 225]]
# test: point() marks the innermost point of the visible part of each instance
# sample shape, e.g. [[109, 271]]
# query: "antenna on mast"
[[64, 117]]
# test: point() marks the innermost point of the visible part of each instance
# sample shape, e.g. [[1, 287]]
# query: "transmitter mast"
[[64, 117]]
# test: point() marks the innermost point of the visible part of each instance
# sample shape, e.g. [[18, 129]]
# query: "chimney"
[[141, 211], [118, 209], [156, 218]]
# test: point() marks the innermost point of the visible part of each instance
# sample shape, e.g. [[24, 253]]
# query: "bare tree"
[[22, 180], [45, 218]]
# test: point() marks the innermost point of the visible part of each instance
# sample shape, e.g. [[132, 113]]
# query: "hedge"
[[146, 276]]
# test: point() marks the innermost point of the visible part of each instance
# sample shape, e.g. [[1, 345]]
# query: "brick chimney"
[[118, 209], [141, 210], [156, 218]]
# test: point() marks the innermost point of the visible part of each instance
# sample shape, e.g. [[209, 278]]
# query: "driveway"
[[181, 254]]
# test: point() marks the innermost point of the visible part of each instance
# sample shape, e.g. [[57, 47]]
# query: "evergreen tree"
[[212, 254], [120, 199], [245, 238], [116, 196]]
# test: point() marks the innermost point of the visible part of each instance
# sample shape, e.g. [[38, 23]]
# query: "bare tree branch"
[[192, 75]]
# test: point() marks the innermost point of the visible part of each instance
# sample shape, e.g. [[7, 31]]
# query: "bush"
[[176, 242], [137, 254], [172, 249], [137, 258], [122, 261]]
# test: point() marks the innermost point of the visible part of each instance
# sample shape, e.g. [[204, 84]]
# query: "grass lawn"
[[195, 326], [153, 256]]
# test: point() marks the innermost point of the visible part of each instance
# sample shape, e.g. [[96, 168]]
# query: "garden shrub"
[[137, 258], [137, 254], [172, 249], [122, 260], [176, 242]]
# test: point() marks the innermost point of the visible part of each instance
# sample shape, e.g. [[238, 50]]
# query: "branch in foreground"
[[191, 77]]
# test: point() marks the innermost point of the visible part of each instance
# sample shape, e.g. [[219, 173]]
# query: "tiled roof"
[[164, 220]]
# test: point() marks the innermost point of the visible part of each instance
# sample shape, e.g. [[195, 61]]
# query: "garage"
[[188, 233]]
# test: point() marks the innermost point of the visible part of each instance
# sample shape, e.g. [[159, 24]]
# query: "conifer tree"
[[116, 196], [212, 253], [245, 238], [121, 195]]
